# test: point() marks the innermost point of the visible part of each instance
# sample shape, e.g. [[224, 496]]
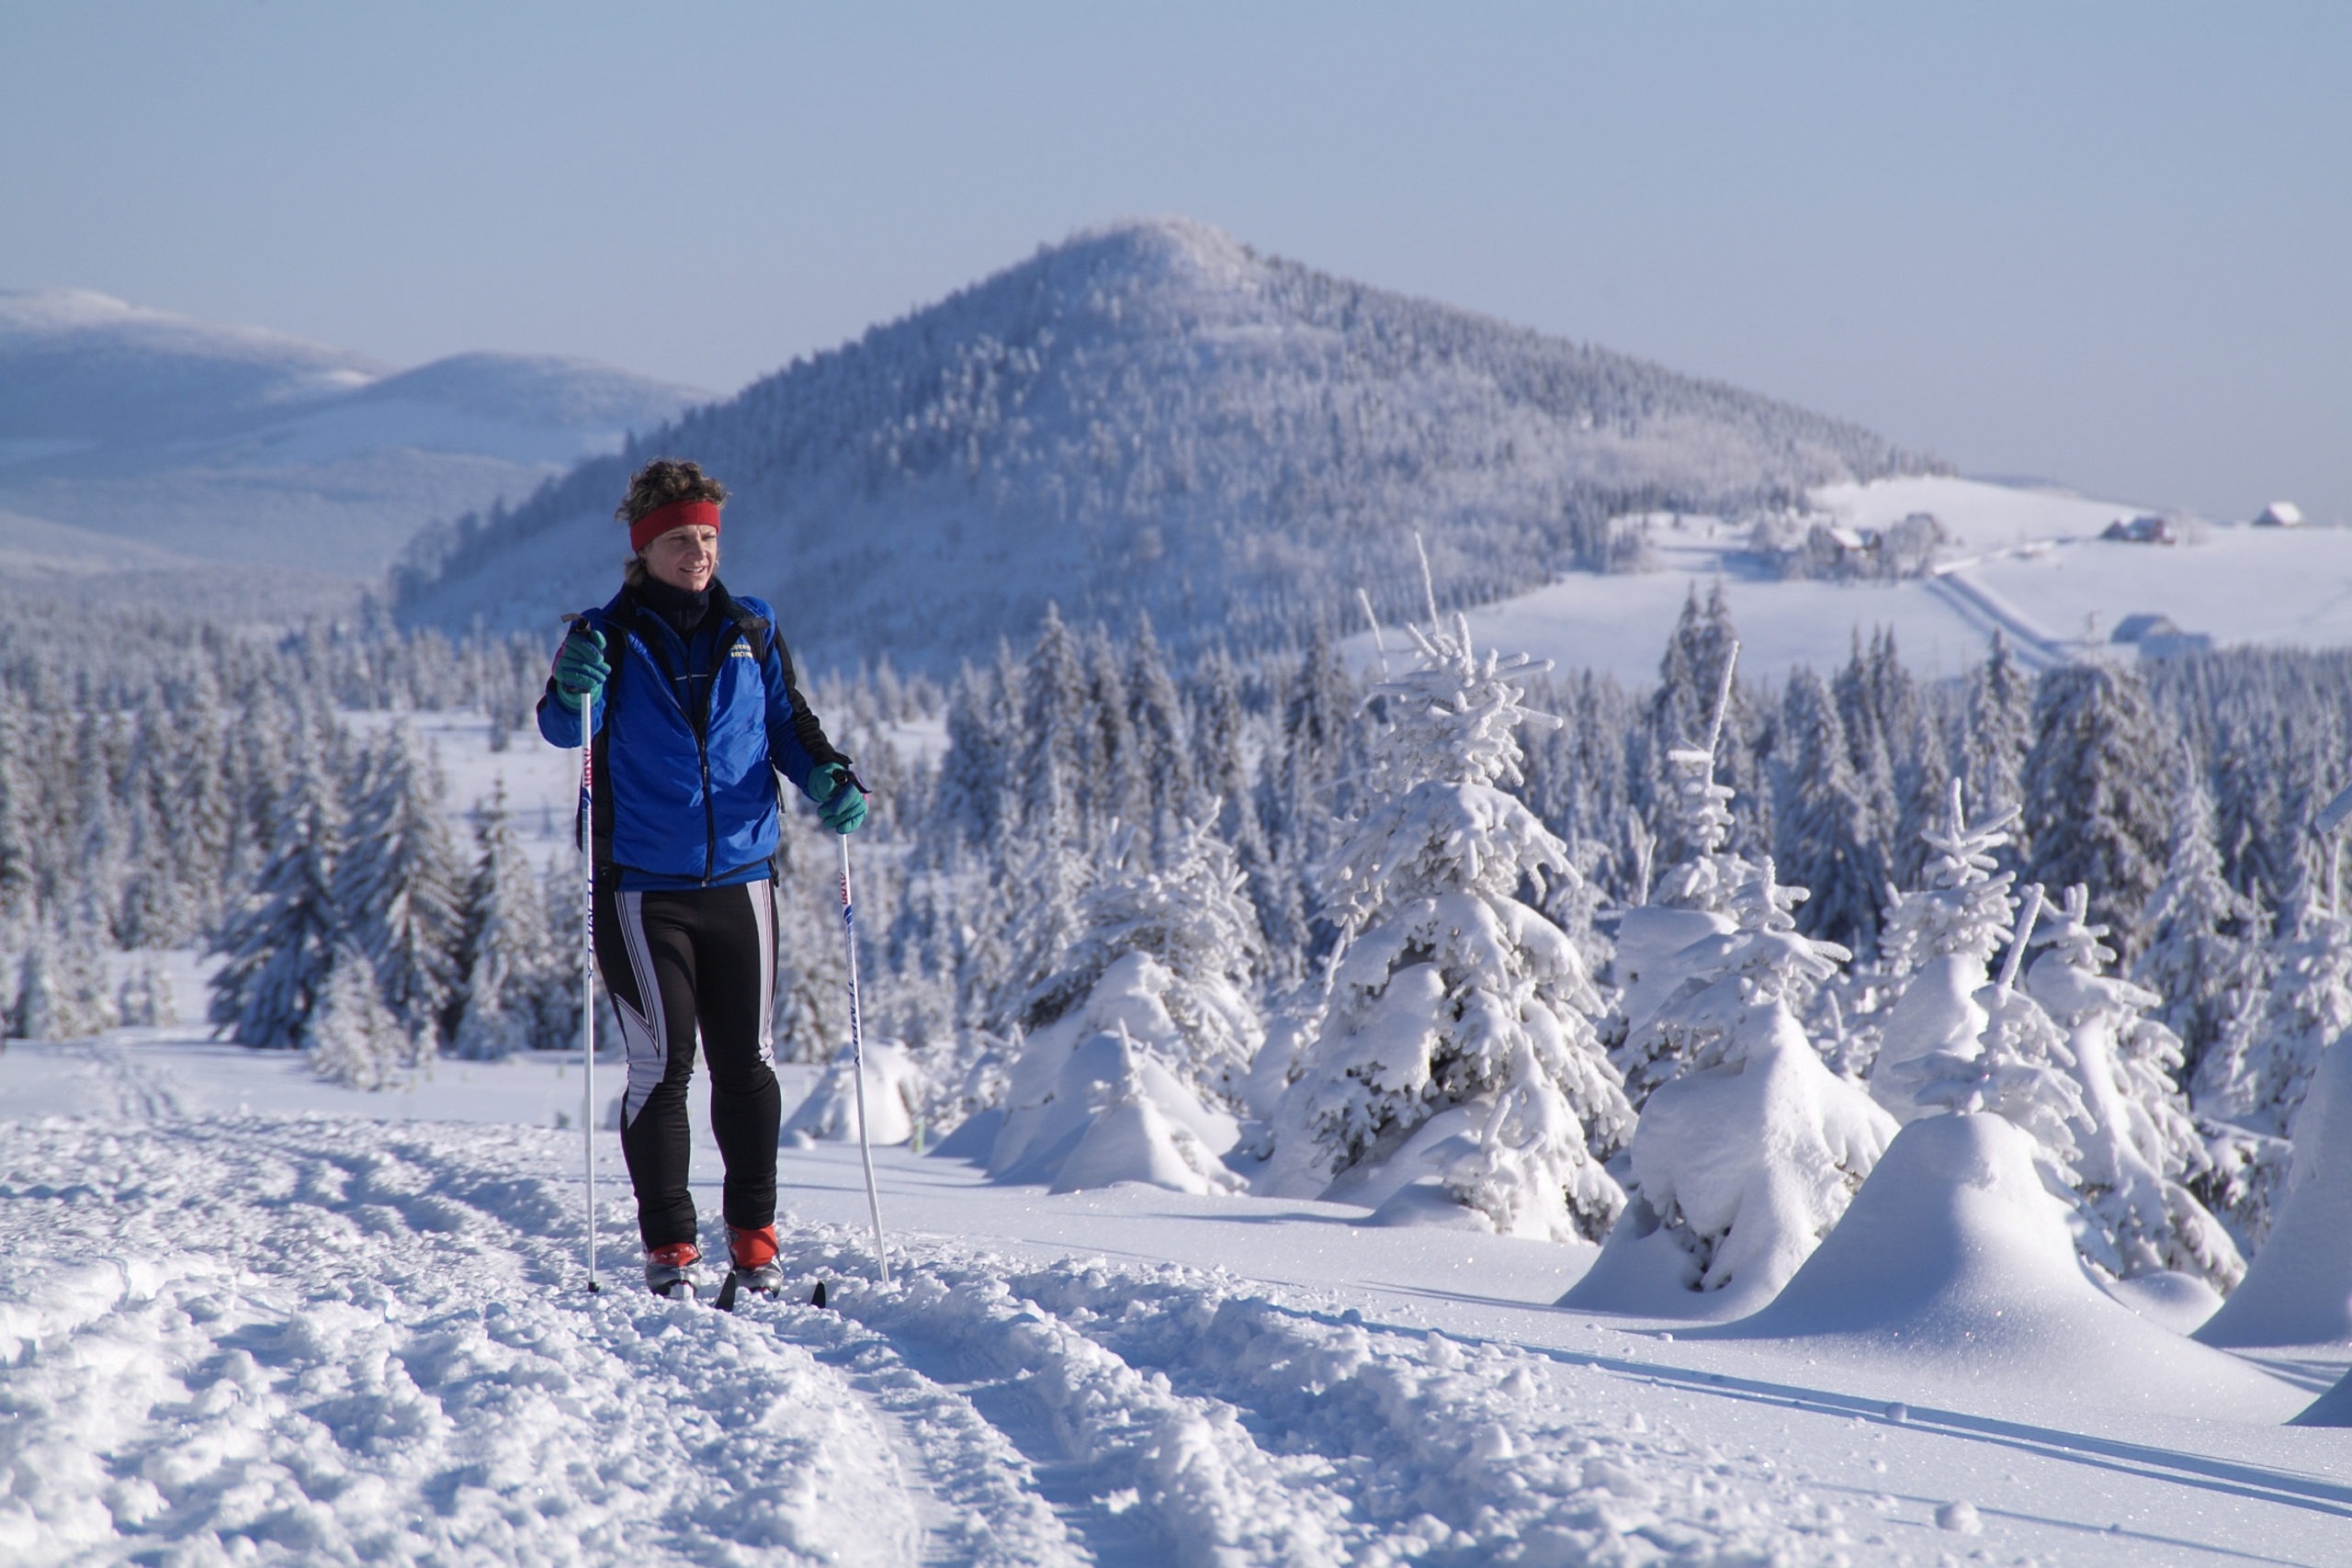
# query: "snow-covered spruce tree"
[[812, 1012], [1191, 921], [2258, 1073], [351, 1037], [62, 992], [1926, 777], [1745, 1160], [1939, 938], [1163, 737], [19, 870], [1696, 697], [398, 883], [1458, 1039], [2019, 1068], [2096, 810], [1830, 829], [507, 957], [1142, 1037], [1218, 722], [2200, 946], [1999, 733], [2136, 1147], [1116, 776], [1049, 859], [1690, 902], [281, 943], [145, 998]]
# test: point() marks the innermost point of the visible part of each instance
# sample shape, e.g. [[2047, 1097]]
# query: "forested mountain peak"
[[1152, 416]]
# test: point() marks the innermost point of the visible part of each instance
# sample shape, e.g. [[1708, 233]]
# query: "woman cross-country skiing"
[[692, 702]]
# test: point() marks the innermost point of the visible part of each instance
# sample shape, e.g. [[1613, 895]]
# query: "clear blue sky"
[[2104, 242]]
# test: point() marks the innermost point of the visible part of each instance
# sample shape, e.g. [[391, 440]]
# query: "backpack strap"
[[752, 624]]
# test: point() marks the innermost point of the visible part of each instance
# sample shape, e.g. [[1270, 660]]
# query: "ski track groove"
[[384, 1354], [314, 1338]]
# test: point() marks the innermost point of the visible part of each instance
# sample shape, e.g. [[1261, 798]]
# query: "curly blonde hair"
[[655, 486], [664, 480]]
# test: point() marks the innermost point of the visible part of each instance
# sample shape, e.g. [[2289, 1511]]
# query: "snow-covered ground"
[[248, 1317], [2028, 560]]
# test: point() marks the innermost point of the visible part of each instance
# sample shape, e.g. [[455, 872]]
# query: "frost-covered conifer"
[[351, 1037], [2096, 810], [1828, 825], [1138, 1042], [811, 1014], [62, 991], [397, 883], [507, 957], [1747, 1159], [19, 872], [1999, 733], [1690, 902], [281, 943], [1940, 937], [1048, 878], [1163, 737], [145, 1000], [2136, 1148], [2018, 1068], [2258, 1075], [1458, 1042], [1190, 917], [1662, 946], [1926, 777], [1218, 721], [1116, 780], [2200, 951]]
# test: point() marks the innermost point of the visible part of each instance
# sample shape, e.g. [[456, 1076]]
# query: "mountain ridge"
[[1153, 418], [239, 444]]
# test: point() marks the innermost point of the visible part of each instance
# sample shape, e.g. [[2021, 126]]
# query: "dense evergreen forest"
[[169, 785]]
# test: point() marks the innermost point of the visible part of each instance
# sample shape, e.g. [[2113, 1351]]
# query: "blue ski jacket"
[[688, 734]]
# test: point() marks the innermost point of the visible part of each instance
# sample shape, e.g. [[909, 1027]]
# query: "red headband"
[[677, 515]]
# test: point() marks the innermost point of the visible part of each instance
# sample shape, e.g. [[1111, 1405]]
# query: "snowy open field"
[[250, 1317], [2029, 560]]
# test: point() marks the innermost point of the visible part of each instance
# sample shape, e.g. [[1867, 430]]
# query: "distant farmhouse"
[[2280, 515], [2156, 636], [2150, 529], [1794, 546]]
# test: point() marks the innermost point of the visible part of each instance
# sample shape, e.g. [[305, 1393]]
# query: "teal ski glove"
[[579, 667], [841, 799]]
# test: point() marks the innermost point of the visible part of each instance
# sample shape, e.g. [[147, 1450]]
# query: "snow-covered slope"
[[1152, 416], [234, 443], [233, 1332], [2026, 562]]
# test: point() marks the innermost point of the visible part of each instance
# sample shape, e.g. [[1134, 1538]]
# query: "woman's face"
[[684, 557]]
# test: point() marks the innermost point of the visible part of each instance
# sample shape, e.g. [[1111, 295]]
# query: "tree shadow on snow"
[[2288, 1488]]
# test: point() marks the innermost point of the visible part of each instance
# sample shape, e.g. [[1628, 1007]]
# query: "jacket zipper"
[[701, 749]]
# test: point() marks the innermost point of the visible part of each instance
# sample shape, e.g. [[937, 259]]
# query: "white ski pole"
[[857, 1061], [584, 831]]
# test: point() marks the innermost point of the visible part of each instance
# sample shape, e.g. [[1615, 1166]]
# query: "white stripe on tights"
[[646, 1032]]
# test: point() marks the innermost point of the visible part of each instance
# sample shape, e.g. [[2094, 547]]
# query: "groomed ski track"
[[323, 1339], [315, 1339]]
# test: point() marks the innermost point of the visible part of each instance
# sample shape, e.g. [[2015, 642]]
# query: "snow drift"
[[2299, 1290], [1766, 1200], [1954, 1254], [894, 1097], [1091, 1104]]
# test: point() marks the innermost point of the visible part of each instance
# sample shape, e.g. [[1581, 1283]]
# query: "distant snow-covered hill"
[[232, 444], [2027, 561], [1153, 417]]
